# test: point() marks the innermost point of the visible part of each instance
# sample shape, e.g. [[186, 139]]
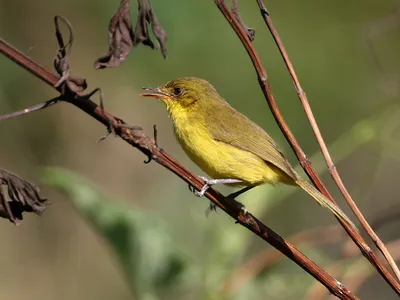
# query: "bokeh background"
[[346, 56]]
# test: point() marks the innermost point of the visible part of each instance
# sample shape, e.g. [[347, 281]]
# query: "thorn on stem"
[[155, 135]]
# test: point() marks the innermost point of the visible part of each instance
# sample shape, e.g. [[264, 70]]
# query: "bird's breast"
[[221, 160]]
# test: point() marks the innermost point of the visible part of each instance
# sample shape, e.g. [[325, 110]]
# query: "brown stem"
[[305, 163], [329, 162], [137, 138]]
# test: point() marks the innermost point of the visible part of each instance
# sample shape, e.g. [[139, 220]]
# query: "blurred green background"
[[162, 244]]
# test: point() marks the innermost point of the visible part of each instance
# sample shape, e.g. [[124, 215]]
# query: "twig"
[[305, 163], [324, 149], [30, 109], [139, 140]]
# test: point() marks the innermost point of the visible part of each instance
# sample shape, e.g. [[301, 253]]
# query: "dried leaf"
[[67, 83], [121, 36], [141, 33], [251, 32], [146, 17], [17, 196], [158, 32]]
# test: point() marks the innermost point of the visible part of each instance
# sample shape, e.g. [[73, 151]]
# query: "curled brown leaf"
[[67, 83], [158, 32], [122, 37], [147, 16], [17, 196]]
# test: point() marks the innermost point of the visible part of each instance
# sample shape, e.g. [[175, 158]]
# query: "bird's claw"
[[202, 191], [211, 207], [191, 188], [206, 186]]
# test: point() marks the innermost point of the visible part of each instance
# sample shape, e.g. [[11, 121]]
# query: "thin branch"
[[305, 163], [137, 138], [324, 149], [30, 109]]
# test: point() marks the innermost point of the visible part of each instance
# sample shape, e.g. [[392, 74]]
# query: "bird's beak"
[[155, 93]]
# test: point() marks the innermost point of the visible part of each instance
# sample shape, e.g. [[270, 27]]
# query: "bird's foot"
[[211, 207], [193, 189], [210, 182], [206, 186]]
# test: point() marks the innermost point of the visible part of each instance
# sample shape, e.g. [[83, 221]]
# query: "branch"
[[305, 163], [138, 139], [324, 149]]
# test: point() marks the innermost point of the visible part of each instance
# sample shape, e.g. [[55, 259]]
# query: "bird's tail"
[[323, 201]]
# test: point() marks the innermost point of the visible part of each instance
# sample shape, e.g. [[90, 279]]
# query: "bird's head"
[[184, 95]]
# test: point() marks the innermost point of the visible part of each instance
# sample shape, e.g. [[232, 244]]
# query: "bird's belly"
[[223, 161]]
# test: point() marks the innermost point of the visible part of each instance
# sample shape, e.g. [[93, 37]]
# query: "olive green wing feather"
[[231, 127]]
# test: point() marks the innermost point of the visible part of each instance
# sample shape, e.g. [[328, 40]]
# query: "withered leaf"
[[121, 36], [158, 32], [141, 34], [17, 196], [66, 83]]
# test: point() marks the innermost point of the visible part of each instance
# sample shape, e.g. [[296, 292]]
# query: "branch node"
[[305, 160], [263, 80], [331, 167]]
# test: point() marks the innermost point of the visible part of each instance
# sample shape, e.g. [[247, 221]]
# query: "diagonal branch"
[[137, 138], [324, 149], [305, 163]]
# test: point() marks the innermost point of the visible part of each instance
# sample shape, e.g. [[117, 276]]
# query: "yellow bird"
[[224, 143]]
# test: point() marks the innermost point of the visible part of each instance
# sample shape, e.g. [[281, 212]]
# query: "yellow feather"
[[220, 160]]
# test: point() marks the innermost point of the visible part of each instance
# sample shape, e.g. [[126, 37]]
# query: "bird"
[[225, 144]]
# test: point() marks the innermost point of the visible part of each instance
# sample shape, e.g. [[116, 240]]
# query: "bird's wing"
[[231, 127]]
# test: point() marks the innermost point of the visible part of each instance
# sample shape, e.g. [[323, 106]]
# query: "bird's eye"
[[177, 91]]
